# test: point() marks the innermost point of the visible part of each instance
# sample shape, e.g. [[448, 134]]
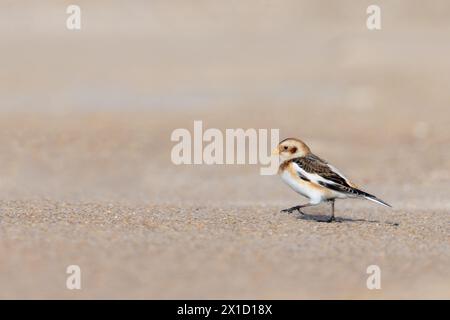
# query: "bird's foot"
[[290, 210]]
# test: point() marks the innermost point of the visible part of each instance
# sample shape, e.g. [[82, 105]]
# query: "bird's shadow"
[[325, 218]]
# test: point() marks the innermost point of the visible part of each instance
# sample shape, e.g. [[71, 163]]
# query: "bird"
[[314, 178]]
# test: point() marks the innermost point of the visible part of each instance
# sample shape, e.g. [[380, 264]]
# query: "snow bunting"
[[314, 178]]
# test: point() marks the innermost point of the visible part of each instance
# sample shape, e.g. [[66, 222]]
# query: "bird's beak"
[[276, 152]]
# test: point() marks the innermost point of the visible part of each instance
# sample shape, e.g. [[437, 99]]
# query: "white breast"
[[314, 195]]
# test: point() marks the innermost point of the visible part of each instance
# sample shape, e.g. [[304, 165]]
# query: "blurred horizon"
[[88, 113], [207, 55]]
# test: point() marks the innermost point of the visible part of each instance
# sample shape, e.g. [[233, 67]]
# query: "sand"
[[85, 171], [141, 227], [218, 252]]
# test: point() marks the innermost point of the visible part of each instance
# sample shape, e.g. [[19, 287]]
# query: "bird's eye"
[[285, 147]]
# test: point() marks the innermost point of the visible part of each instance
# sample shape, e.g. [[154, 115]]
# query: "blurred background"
[[86, 116], [89, 113]]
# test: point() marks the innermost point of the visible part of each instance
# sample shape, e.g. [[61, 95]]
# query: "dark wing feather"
[[315, 165], [334, 181]]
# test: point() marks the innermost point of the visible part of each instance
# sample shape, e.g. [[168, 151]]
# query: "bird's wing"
[[320, 172], [316, 170]]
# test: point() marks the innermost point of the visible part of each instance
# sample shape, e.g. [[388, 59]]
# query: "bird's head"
[[291, 148]]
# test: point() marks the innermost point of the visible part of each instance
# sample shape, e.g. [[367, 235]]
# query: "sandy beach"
[[86, 176], [141, 227]]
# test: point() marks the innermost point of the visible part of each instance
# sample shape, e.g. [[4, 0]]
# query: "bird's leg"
[[289, 210], [332, 218]]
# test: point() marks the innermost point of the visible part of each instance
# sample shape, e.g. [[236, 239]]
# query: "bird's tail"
[[370, 197]]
